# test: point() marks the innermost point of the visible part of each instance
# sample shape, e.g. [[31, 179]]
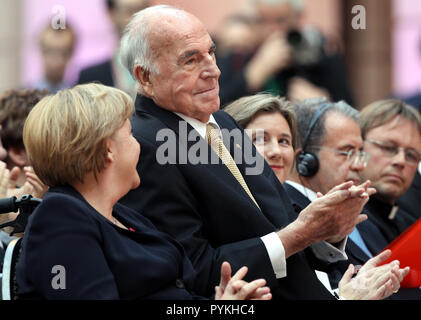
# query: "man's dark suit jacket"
[[411, 200], [101, 72], [373, 239], [100, 259], [378, 212], [205, 208]]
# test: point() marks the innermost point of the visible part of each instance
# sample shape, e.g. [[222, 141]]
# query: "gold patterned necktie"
[[218, 146]]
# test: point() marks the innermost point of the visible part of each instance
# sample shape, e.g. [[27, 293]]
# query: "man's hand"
[[335, 214], [372, 282], [237, 289], [362, 190], [332, 216]]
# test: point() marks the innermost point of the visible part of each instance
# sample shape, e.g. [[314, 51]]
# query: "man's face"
[[123, 12], [188, 75], [342, 134], [281, 17], [391, 175], [56, 49]]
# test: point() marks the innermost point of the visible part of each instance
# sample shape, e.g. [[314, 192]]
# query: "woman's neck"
[[97, 194]]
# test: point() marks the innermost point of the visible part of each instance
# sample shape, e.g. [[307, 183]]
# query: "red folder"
[[407, 249]]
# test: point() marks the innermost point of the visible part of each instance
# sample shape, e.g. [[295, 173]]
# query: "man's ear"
[[143, 78], [18, 156], [297, 153]]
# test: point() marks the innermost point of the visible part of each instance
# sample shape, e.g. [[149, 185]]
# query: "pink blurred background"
[[96, 39]]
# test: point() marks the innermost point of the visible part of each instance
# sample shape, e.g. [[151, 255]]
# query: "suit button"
[[179, 284]]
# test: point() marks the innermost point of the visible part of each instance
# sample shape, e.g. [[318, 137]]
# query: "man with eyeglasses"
[[392, 136], [330, 152]]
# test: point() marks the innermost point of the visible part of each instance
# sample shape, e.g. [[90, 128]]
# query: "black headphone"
[[307, 162]]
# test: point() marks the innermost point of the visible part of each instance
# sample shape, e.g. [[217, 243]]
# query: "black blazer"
[[101, 72], [204, 207], [411, 200], [100, 260], [378, 212]]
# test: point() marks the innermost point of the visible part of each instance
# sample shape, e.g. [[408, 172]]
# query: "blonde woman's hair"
[[246, 109], [66, 134]]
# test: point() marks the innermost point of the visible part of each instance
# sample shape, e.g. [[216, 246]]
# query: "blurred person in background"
[[8, 189], [238, 34], [111, 72], [57, 46], [15, 106], [290, 60]]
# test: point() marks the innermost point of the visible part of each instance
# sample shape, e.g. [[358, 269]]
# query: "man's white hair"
[[134, 45], [298, 5]]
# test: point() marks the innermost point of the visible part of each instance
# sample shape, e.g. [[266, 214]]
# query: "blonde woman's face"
[[275, 144], [126, 151]]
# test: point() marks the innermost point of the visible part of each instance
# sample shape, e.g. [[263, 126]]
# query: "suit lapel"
[[354, 253], [298, 200], [183, 130]]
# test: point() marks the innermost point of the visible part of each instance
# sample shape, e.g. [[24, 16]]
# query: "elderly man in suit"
[[218, 207]]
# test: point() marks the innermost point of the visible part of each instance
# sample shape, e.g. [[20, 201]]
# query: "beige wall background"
[[10, 23]]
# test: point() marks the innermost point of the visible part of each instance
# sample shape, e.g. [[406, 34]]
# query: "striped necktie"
[[218, 146]]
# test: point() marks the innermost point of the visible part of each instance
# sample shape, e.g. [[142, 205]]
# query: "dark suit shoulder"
[[101, 72], [146, 126], [60, 204], [411, 201]]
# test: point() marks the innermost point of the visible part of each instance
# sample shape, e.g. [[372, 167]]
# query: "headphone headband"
[[313, 122]]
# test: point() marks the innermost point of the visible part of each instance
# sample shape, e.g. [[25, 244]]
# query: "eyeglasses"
[[411, 155], [354, 156]]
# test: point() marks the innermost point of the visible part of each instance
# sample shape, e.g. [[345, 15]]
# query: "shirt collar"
[[309, 194], [199, 126]]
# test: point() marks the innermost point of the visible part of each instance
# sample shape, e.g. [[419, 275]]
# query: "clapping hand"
[[372, 282], [234, 288]]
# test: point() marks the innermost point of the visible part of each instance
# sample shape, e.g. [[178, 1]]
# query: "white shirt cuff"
[[276, 253], [329, 253]]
